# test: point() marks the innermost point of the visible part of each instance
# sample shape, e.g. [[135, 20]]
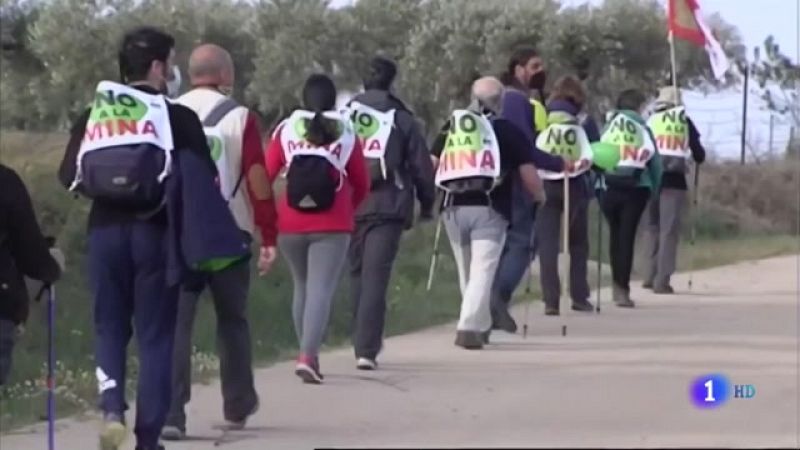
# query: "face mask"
[[174, 85], [538, 81]]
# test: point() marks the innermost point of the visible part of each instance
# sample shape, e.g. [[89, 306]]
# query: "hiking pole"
[[435, 255], [51, 362], [693, 237], [528, 288], [565, 277], [599, 255]]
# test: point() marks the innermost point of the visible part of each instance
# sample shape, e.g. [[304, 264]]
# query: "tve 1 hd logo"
[[712, 391]]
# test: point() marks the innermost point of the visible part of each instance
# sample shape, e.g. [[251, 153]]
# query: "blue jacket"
[[202, 234], [517, 109]]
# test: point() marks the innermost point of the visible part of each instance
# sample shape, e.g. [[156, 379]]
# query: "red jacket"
[[340, 217]]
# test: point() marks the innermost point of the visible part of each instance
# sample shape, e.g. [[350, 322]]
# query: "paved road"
[[617, 379]]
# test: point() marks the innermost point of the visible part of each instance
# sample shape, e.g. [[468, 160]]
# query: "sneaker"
[[172, 433], [157, 447], [504, 321], [647, 285], [366, 364], [113, 433], [551, 311], [307, 369], [236, 425], [470, 340], [584, 306], [665, 289], [486, 334]]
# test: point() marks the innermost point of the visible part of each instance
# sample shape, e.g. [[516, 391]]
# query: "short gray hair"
[[488, 91]]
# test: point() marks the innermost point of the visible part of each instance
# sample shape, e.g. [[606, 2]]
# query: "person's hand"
[[583, 164], [569, 166], [59, 258], [266, 259]]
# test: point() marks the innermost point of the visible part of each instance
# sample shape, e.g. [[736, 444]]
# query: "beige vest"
[[202, 101]]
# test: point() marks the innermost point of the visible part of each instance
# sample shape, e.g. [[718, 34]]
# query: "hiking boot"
[[236, 425], [647, 285], [485, 335], [470, 340], [622, 297], [583, 306], [502, 320], [172, 433], [307, 369], [663, 289], [551, 310], [366, 364], [113, 433]]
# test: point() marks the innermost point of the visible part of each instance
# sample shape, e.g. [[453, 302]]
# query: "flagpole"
[[672, 61]]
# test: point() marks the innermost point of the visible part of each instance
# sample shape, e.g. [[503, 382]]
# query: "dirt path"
[[618, 379]]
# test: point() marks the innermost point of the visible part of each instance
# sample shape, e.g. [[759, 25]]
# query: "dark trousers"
[[229, 290], [8, 335], [519, 249], [373, 250], [127, 269], [623, 209], [548, 237]]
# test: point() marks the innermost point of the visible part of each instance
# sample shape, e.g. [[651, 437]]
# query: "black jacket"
[[408, 162], [187, 133], [23, 249]]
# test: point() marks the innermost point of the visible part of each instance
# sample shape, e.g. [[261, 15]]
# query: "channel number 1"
[[710, 391]]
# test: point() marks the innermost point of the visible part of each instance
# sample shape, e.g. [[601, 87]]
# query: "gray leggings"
[[316, 262]]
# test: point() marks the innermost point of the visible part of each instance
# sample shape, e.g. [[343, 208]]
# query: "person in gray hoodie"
[[400, 168]]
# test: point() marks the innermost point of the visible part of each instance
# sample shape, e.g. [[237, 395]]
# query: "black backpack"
[[311, 183], [126, 176]]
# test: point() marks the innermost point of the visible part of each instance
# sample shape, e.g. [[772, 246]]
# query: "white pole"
[[565, 298]]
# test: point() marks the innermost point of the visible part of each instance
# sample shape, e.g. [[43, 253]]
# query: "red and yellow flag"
[[685, 21]]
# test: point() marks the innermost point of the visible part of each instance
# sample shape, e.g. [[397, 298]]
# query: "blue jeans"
[[127, 269], [519, 250]]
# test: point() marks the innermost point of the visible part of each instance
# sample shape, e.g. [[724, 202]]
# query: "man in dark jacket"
[[127, 246], [400, 167], [23, 252], [525, 73], [678, 141]]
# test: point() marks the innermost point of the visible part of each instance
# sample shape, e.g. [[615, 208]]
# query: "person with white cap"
[[678, 142]]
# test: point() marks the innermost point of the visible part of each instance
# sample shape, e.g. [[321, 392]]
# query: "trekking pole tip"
[[525, 331], [563, 330]]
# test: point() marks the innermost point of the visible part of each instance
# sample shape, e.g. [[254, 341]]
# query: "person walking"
[[628, 187], [476, 156], [236, 147], [566, 137], [525, 72], [400, 167], [678, 141], [124, 173], [326, 182], [24, 252]]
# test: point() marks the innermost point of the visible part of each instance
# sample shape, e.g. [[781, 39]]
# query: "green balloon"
[[606, 156]]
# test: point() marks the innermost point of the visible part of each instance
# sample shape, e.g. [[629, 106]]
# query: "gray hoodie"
[[408, 163]]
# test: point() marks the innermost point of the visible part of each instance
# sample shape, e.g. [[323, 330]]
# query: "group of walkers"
[[182, 186]]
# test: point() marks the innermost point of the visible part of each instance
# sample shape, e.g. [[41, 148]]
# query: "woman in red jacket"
[[326, 180]]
